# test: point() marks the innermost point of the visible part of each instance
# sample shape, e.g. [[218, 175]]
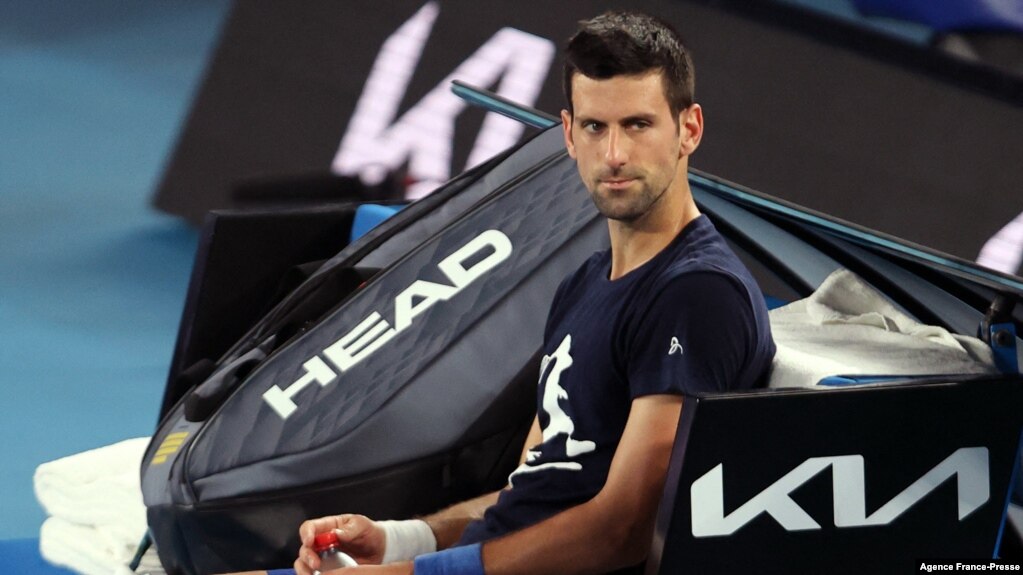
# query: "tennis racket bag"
[[399, 378]]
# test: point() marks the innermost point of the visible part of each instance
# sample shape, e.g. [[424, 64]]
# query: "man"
[[669, 310]]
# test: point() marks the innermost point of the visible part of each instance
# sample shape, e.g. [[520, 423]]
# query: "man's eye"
[[639, 125], [592, 126]]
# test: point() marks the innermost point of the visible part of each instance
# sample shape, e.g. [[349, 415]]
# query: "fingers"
[[303, 568], [348, 527], [351, 531], [309, 529], [351, 527], [308, 560]]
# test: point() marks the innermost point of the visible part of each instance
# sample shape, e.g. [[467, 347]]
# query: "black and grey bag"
[[398, 378]]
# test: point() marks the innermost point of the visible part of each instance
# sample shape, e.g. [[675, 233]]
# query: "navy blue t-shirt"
[[691, 319]]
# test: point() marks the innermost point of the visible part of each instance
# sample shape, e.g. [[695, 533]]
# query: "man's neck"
[[637, 242]]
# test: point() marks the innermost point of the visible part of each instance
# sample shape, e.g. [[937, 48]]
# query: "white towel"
[[90, 550], [99, 487], [94, 499], [847, 327]]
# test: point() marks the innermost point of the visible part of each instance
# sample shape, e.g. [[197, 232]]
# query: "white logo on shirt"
[[559, 423], [675, 346]]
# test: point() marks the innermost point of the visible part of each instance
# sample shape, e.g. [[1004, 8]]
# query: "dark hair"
[[617, 43]]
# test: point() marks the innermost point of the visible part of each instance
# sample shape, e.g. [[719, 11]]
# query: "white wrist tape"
[[407, 539]]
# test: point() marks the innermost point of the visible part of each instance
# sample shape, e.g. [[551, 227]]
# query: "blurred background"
[[122, 123], [92, 97]]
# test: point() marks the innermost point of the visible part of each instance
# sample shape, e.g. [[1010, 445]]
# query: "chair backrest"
[[239, 263], [862, 479]]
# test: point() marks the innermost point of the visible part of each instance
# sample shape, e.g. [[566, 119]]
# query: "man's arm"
[[448, 524], [365, 541], [615, 528], [612, 530]]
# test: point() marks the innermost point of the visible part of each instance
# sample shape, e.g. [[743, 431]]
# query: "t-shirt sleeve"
[[696, 335]]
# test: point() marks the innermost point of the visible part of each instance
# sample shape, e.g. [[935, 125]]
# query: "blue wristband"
[[465, 560]]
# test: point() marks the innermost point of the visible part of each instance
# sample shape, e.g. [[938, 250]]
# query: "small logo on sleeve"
[[676, 347]]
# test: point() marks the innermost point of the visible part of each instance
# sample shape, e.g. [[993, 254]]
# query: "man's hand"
[[360, 537]]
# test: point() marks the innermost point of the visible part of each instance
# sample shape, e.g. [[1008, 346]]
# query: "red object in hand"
[[328, 547], [325, 541]]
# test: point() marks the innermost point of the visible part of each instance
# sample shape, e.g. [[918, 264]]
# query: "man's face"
[[625, 140]]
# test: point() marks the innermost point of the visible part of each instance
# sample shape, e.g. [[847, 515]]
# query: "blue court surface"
[[92, 279]]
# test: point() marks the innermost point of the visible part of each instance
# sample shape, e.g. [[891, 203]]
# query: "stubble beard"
[[626, 206]]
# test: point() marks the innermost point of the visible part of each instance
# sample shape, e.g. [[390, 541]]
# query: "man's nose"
[[617, 153]]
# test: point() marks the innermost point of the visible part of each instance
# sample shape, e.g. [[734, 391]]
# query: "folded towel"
[[89, 550], [847, 327], [99, 487], [94, 499]]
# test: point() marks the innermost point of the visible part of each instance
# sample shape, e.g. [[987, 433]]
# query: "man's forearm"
[[595, 537], [448, 524]]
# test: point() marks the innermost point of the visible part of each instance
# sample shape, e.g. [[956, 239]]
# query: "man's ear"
[[566, 126], [690, 123]]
